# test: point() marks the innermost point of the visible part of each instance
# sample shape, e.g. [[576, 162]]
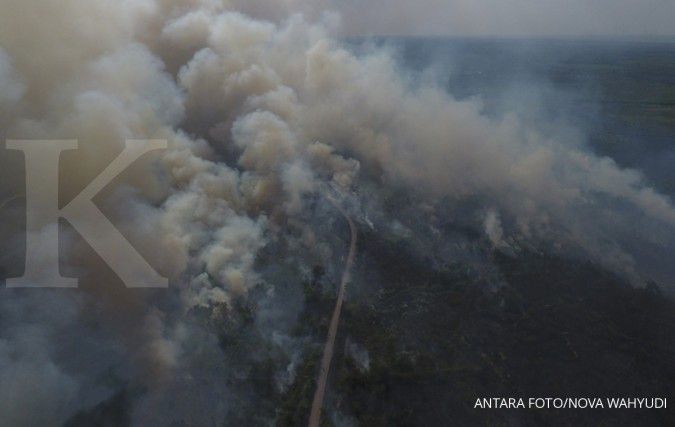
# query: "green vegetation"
[[437, 340]]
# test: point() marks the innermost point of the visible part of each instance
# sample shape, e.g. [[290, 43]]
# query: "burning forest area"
[[325, 213]]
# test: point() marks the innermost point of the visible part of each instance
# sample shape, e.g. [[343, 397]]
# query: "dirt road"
[[317, 404]]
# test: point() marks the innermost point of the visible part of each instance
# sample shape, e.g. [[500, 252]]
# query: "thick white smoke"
[[258, 115]]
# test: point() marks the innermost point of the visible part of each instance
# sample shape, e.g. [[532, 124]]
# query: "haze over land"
[[496, 18]]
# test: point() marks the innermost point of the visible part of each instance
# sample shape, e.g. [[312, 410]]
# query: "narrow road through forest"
[[317, 404]]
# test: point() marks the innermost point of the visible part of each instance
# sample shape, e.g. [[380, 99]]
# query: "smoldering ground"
[[259, 116]]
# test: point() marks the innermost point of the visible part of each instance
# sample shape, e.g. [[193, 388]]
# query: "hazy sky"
[[498, 17]]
